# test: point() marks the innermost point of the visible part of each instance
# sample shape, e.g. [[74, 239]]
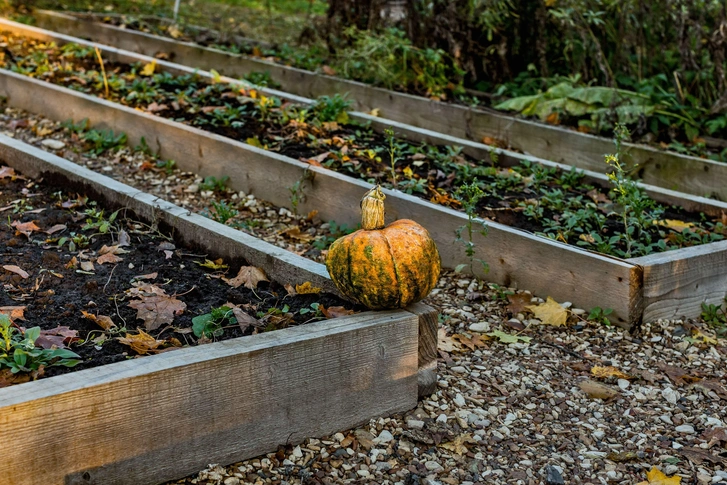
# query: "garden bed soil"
[[713, 148], [312, 134], [51, 286]]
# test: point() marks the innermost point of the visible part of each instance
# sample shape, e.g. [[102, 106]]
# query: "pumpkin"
[[381, 266]]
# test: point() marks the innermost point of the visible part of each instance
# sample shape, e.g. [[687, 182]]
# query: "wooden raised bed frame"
[[162, 417], [516, 258], [656, 167]]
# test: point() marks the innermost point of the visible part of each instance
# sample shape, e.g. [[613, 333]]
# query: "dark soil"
[[54, 294]]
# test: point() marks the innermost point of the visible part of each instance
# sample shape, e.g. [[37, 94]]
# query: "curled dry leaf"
[[217, 264], [154, 306], [307, 288], [249, 276], [9, 172], [14, 312], [124, 239], [102, 321], [244, 319], [289, 288], [677, 375], [609, 371], [596, 390], [457, 445], [295, 233], [550, 313], [57, 337], [87, 265], [72, 263], [17, 270], [335, 311], [109, 258], [142, 343], [26, 228], [56, 228]]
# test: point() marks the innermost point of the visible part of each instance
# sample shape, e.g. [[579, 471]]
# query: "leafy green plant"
[[600, 315], [214, 184], [470, 195], [335, 231], [102, 140], [222, 212], [19, 353], [296, 190], [261, 79], [332, 108], [210, 325], [716, 316], [96, 221], [315, 309]]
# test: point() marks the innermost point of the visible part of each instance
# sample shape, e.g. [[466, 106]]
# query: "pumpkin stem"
[[372, 209]]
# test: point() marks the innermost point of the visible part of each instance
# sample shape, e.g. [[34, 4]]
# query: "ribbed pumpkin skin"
[[385, 268]]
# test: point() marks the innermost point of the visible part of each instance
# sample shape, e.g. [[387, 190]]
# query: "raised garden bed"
[[515, 257], [268, 388], [657, 167]]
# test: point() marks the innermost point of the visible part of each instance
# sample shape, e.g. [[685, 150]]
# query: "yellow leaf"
[[216, 264], [149, 69], [675, 225], [174, 31], [216, 78], [588, 238], [408, 172], [307, 288], [550, 313], [707, 339], [609, 371], [458, 445], [657, 477], [141, 343], [375, 112], [254, 142]]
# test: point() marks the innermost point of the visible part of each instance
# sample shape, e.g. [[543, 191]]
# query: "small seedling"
[[223, 212], [102, 140], [296, 190], [215, 184], [600, 315], [210, 325], [469, 195], [332, 108]]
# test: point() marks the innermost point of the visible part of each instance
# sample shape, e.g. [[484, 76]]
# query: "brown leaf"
[[596, 390], [102, 321], [713, 385], [319, 158], [16, 269], [295, 233], [307, 288], [142, 343], [14, 312], [109, 258], [154, 107], [155, 307], [335, 311], [7, 378], [56, 337], [150, 276], [677, 375], [518, 302], [9, 172], [471, 343], [457, 446], [25, 227], [598, 197], [699, 456], [56, 228], [717, 435], [72, 263], [87, 265], [328, 70], [289, 288], [245, 320], [623, 456], [249, 276]]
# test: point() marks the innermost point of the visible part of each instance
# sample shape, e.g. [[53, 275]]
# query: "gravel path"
[[522, 413]]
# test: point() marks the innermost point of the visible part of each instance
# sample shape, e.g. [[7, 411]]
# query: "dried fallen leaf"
[[7, 378], [550, 313], [17, 270], [150, 276], [14, 312], [714, 385], [8, 172], [335, 311], [124, 239], [657, 477], [102, 321], [623, 456], [244, 319], [473, 343], [155, 307], [87, 265], [217, 264], [458, 444], [295, 233], [72, 263], [249, 276], [609, 371], [57, 337], [699, 456], [677, 375], [289, 288], [715, 435], [596, 390], [56, 228], [25, 227], [307, 288], [109, 258], [142, 343], [507, 338], [518, 302], [446, 343], [675, 225]]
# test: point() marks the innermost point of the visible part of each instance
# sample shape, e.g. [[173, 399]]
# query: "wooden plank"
[[200, 232], [676, 283], [166, 416], [655, 167], [515, 257], [428, 328]]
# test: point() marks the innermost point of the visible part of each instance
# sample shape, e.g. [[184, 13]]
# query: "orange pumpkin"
[[384, 267]]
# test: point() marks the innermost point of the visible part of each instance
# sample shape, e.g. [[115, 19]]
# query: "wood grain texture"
[[428, 327], [163, 417], [655, 167], [515, 257], [676, 283]]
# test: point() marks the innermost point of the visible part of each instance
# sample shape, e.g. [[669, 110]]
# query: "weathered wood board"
[[515, 257], [655, 167], [163, 417], [206, 234]]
